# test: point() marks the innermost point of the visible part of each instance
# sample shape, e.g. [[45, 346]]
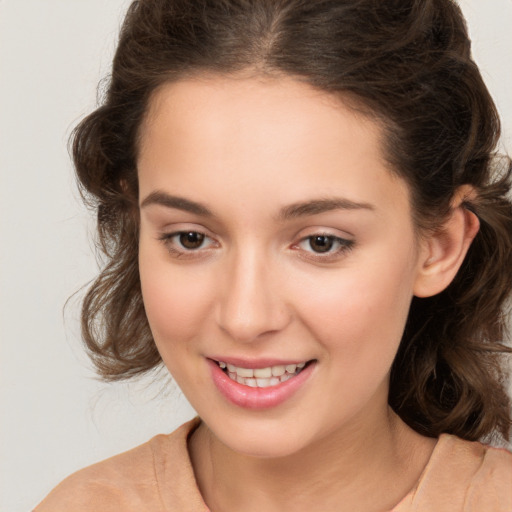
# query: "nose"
[[250, 304]]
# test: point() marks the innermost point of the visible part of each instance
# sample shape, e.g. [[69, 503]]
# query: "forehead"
[[220, 107], [266, 137]]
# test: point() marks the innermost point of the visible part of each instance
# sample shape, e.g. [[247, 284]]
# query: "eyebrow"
[[292, 211], [179, 203], [317, 206]]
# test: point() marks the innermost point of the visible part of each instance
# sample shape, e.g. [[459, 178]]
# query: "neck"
[[366, 466]]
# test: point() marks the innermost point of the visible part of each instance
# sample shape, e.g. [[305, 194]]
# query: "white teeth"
[[246, 372], [251, 383], [262, 377], [263, 373], [277, 371]]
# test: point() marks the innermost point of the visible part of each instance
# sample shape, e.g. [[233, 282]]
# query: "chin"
[[266, 438]]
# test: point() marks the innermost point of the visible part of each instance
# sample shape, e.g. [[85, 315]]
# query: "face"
[[277, 259]]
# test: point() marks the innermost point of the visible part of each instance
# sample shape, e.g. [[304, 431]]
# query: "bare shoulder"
[[123, 482]]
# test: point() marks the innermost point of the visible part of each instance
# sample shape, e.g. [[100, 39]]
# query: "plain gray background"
[[56, 417]]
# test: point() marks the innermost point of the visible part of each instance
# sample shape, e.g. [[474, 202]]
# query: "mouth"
[[262, 386], [266, 377]]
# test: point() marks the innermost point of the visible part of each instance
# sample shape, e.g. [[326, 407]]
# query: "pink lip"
[[257, 398]]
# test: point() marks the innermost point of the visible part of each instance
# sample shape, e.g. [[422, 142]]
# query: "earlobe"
[[444, 251]]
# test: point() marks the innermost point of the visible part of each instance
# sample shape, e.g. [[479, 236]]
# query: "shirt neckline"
[[187, 470]]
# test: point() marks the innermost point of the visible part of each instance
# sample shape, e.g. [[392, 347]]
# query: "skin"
[[246, 149]]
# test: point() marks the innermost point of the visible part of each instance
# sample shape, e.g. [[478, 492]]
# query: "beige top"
[[158, 477]]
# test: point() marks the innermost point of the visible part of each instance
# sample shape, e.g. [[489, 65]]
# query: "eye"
[[183, 242], [325, 244], [191, 239], [321, 243]]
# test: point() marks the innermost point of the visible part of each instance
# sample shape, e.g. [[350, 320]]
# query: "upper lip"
[[256, 363]]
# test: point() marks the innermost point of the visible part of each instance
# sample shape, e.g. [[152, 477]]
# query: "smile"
[[263, 386], [261, 377]]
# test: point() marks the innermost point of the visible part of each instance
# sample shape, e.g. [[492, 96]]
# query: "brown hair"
[[408, 64]]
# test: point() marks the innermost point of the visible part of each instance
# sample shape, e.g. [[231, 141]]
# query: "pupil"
[[321, 243], [191, 240]]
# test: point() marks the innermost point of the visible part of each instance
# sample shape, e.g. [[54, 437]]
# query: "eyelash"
[[167, 239], [343, 245]]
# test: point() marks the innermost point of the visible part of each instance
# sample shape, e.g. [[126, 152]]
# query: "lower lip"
[[258, 398]]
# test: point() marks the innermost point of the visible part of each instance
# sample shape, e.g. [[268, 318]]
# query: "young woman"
[[306, 221]]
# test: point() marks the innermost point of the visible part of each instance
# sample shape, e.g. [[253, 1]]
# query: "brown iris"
[[191, 240], [321, 243]]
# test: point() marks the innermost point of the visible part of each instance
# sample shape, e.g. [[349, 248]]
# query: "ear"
[[443, 252]]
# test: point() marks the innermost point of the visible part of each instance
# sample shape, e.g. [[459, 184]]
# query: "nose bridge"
[[249, 304]]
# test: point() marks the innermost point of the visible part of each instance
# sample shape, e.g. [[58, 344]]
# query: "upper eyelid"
[[327, 235], [345, 242], [319, 231], [185, 227], [171, 234]]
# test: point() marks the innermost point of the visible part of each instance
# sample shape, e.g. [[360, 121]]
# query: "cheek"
[[359, 315], [175, 301]]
